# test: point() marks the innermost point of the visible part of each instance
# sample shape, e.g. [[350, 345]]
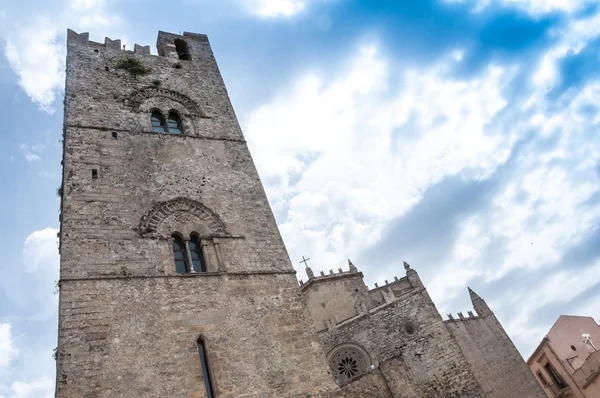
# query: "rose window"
[[347, 363], [348, 367]]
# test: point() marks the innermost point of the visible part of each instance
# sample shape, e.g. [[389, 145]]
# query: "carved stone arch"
[[348, 361], [136, 98], [183, 211]]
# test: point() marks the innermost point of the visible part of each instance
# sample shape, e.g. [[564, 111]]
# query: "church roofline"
[[327, 278]]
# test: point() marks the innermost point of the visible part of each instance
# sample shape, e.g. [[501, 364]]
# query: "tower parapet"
[[84, 38], [479, 305], [489, 350], [352, 271]]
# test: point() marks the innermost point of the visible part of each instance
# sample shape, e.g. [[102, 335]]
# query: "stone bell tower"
[[175, 281]]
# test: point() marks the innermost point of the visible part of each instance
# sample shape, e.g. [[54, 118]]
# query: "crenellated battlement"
[[84, 38], [352, 271], [187, 46], [396, 282], [479, 305], [461, 317]]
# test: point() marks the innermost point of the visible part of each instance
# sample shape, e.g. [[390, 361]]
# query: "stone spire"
[[412, 275], [352, 266], [479, 304]]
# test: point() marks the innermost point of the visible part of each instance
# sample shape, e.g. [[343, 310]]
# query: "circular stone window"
[[409, 327], [347, 363]]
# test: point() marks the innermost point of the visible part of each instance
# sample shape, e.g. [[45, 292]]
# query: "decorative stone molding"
[[182, 211], [136, 99]]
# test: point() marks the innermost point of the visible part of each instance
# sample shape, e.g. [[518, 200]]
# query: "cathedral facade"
[[174, 279]]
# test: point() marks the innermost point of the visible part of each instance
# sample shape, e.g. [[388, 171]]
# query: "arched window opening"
[[196, 253], [205, 371], [182, 50], [174, 123], [179, 255], [158, 122]]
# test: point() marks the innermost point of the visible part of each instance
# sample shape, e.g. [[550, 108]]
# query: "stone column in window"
[[207, 264], [188, 255], [216, 243]]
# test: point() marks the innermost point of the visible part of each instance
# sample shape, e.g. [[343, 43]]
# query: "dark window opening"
[[94, 174], [555, 376], [542, 378], [106, 68], [205, 372], [174, 123], [114, 135], [196, 253], [179, 255], [409, 327], [182, 50], [158, 122]]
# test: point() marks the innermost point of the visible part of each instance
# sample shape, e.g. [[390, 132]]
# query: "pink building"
[[564, 364]]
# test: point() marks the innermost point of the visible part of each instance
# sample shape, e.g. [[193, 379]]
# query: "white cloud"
[[30, 286], [544, 210], [35, 43], [84, 5], [40, 250], [275, 8], [41, 262], [342, 158], [31, 152], [533, 7], [40, 388], [37, 58], [7, 348]]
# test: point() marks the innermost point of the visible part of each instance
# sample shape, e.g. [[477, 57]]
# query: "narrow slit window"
[[196, 252], [181, 266], [94, 174], [158, 122], [174, 123], [205, 372]]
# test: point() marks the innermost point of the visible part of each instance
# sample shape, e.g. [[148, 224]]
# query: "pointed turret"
[[412, 275], [479, 304], [351, 266]]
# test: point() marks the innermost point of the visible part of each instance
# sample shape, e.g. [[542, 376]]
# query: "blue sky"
[[460, 136]]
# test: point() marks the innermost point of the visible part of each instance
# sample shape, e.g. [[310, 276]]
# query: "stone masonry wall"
[[370, 385], [128, 324], [422, 363], [494, 360], [335, 298]]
